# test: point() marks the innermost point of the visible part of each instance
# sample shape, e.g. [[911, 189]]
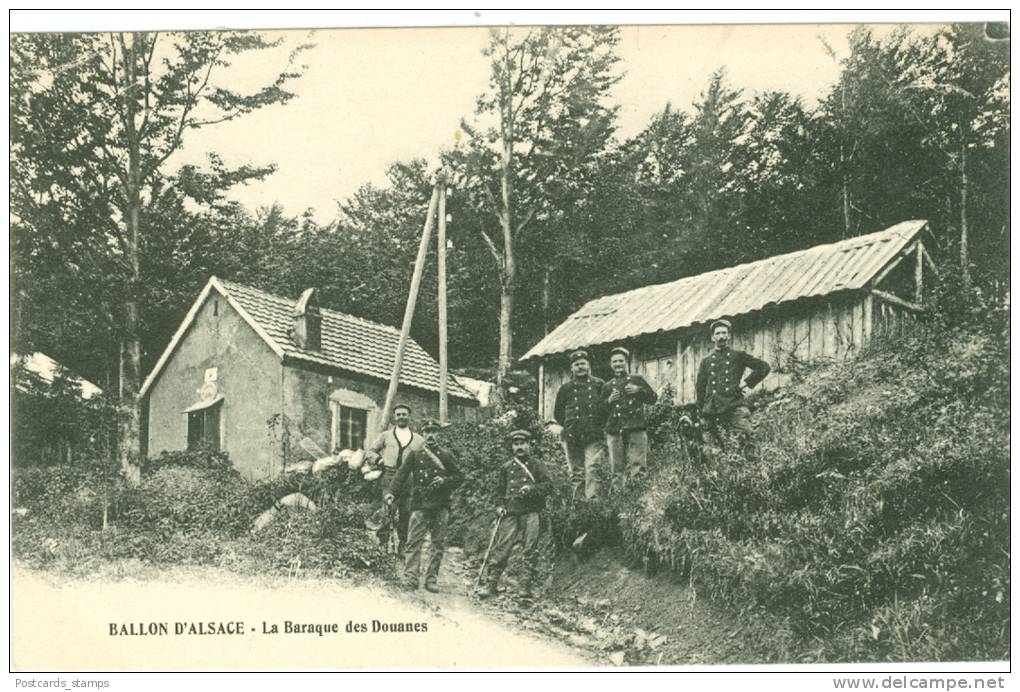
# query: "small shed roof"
[[821, 270], [349, 343], [44, 368]]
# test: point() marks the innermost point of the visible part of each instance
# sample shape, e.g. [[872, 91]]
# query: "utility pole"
[[444, 404], [412, 299]]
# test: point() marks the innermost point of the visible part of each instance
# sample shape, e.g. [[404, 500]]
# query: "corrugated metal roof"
[[847, 265], [348, 343]]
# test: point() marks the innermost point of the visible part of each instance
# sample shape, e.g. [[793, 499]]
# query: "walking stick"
[[485, 560]]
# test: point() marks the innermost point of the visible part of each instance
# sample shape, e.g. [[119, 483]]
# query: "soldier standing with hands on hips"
[[521, 492], [719, 387], [626, 434]]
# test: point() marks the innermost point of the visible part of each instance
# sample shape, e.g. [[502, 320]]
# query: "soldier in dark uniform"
[[580, 409], [433, 476], [719, 387], [626, 435], [523, 486]]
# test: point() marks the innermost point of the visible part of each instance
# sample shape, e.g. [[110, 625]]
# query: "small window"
[[204, 427], [349, 427]]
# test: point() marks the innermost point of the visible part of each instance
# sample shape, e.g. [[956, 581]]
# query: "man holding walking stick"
[[523, 486]]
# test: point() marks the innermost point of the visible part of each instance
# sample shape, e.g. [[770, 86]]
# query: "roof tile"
[[348, 342]]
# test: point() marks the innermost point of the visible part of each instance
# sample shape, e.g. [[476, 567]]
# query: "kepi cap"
[[720, 323], [578, 355], [520, 435], [401, 406], [619, 349], [431, 424]]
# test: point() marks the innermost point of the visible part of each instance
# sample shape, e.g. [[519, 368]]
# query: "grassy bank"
[[872, 522]]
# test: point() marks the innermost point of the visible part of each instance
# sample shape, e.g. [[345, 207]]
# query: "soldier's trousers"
[[628, 452], [403, 513], [425, 521], [585, 462], [525, 529], [738, 420]]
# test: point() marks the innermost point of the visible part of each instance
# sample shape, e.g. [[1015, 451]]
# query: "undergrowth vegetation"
[[192, 508], [869, 522], [873, 517]]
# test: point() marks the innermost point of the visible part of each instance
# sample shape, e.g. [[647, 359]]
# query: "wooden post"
[[412, 298], [678, 395], [444, 402], [541, 391], [919, 273]]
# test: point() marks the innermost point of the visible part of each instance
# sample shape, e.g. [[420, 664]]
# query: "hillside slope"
[[872, 522]]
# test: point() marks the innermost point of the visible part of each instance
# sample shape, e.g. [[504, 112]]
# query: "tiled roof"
[[821, 270], [348, 343]]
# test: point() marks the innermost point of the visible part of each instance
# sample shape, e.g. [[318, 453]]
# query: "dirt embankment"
[[624, 617]]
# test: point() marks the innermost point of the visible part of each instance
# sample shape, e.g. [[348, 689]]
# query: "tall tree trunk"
[[507, 285], [846, 202], [546, 276], [506, 312], [509, 282], [131, 356], [964, 251], [843, 168]]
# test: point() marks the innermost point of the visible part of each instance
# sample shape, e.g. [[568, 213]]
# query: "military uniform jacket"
[[426, 493], [719, 377], [513, 477], [627, 412], [581, 409]]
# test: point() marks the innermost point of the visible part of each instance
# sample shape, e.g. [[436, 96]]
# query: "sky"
[[371, 97]]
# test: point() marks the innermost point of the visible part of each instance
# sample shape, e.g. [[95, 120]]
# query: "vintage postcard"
[[515, 345]]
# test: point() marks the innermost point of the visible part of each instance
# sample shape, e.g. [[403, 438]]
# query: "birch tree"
[[96, 120]]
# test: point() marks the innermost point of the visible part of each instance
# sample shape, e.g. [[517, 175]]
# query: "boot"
[[432, 586], [488, 591]]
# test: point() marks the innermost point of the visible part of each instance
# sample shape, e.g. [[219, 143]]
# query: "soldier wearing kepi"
[[719, 387], [433, 477], [523, 486], [580, 410], [626, 434], [393, 447]]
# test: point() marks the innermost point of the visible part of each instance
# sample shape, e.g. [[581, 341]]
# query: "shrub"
[[183, 498], [319, 543], [200, 458], [66, 494]]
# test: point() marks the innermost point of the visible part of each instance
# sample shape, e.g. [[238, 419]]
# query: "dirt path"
[[63, 623], [620, 616]]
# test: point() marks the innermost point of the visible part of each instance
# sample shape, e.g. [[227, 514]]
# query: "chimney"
[[308, 322]]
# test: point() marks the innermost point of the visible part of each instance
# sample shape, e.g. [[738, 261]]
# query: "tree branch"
[[496, 254], [147, 62], [526, 220], [189, 104]]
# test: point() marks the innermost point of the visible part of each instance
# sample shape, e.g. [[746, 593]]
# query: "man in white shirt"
[[393, 447]]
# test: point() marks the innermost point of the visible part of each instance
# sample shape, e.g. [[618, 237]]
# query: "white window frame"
[[205, 407], [346, 398]]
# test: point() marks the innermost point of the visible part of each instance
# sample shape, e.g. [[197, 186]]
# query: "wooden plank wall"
[[835, 328], [824, 329]]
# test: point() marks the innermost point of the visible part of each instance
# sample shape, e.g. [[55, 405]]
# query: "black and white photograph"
[[496, 341]]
